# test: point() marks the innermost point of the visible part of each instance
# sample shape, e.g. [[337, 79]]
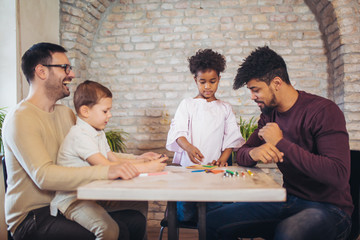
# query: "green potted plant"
[[2, 117], [247, 128], [116, 140]]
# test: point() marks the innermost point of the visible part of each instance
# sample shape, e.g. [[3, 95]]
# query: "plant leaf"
[[116, 140], [247, 127]]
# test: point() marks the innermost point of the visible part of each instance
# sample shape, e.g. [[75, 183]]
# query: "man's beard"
[[55, 90], [267, 109]]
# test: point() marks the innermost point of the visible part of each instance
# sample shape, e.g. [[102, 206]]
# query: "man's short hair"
[[263, 64], [89, 93], [40, 53]]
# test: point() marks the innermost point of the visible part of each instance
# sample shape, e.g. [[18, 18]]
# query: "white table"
[[181, 184]]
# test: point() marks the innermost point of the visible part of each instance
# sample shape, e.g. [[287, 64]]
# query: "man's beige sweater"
[[32, 138]]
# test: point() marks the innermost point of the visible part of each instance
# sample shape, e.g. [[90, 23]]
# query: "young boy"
[[86, 145]]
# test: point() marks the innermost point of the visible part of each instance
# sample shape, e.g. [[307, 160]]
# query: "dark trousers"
[[296, 219], [40, 225]]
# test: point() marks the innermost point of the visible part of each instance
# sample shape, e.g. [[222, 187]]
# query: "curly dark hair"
[[207, 59], [263, 64]]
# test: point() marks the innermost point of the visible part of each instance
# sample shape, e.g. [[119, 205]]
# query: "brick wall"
[[139, 49]]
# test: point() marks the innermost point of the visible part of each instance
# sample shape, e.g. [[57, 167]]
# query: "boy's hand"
[[149, 156], [124, 171], [152, 166], [163, 156]]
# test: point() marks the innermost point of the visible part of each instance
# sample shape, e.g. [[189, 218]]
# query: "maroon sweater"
[[316, 164]]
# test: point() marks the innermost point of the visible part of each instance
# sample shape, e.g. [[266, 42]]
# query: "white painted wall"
[[8, 92], [22, 24], [34, 28], [7, 53]]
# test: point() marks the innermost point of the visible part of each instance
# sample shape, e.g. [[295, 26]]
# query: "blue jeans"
[[296, 219], [187, 211]]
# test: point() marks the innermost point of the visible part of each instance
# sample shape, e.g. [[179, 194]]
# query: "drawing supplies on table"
[[153, 174], [202, 167]]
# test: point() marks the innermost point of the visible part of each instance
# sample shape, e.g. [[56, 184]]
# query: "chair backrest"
[[4, 171], [9, 237], [355, 192]]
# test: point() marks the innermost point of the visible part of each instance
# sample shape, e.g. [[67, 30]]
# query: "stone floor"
[[185, 234]]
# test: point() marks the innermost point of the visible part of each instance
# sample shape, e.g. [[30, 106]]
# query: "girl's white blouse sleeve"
[[179, 127]]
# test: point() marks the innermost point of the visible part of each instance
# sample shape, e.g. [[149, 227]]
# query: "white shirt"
[[81, 142], [209, 126]]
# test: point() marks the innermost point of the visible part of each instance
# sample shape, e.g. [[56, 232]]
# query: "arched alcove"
[[83, 21], [80, 22], [146, 67]]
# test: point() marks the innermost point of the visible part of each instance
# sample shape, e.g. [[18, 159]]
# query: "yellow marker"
[[250, 172]]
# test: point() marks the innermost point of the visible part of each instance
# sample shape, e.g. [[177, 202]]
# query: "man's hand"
[[271, 133], [123, 170], [267, 153]]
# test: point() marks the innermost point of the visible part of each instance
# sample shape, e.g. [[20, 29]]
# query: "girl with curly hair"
[[204, 129]]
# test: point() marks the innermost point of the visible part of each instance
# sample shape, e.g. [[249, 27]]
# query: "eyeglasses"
[[67, 68]]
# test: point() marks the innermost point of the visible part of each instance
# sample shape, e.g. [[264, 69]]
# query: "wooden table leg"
[[172, 231], [202, 220]]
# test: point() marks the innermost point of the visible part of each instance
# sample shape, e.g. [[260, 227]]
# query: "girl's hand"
[[194, 154], [219, 163]]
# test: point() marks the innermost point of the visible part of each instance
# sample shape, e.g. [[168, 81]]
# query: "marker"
[[152, 174], [242, 173], [198, 171], [208, 166], [250, 172], [231, 172]]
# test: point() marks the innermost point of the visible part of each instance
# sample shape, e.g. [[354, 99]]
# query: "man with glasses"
[[32, 133]]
